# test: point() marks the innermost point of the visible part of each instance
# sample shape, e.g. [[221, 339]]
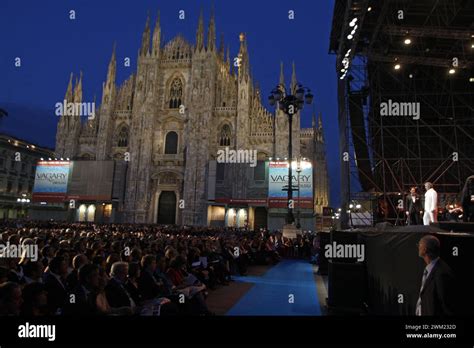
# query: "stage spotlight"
[[407, 41], [369, 9], [471, 79], [350, 36], [358, 206], [351, 206], [42, 159], [410, 76], [452, 71], [397, 67]]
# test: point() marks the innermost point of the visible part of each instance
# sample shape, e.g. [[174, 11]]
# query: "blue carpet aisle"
[[270, 294]]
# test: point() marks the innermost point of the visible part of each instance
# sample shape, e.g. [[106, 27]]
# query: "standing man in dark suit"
[[438, 283], [413, 207]]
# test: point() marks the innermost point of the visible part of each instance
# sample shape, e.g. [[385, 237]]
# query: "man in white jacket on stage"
[[431, 205]]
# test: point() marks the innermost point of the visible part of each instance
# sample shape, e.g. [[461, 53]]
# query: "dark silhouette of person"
[[467, 197], [437, 291]]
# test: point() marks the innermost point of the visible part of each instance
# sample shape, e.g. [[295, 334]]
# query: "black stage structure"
[[410, 51], [388, 280]]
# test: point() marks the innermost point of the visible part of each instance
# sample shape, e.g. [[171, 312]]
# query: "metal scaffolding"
[[419, 52]]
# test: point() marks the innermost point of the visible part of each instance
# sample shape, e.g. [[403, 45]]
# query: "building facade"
[[18, 160], [170, 118]]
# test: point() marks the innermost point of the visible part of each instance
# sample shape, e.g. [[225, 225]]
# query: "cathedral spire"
[[211, 33], [221, 46], [108, 86], [257, 92], [68, 96], [293, 77], [313, 120], [282, 75], [227, 61], [156, 36], [200, 33], [78, 90], [244, 57], [320, 128], [145, 48], [112, 66]]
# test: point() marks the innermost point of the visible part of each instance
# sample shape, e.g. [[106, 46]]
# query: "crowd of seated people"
[[122, 269]]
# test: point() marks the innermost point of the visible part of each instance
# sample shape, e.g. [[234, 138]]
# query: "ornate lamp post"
[[298, 170], [290, 101]]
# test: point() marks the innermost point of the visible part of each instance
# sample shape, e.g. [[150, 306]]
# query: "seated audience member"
[[84, 293], [77, 262], [131, 285], [111, 259], [115, 290], [55, 284], [47, 254], [190, 287], [101, 301], [35, 300], [152, 289], [15, 273], [33, 272], [10, 298], [149, 287], [64, 253]]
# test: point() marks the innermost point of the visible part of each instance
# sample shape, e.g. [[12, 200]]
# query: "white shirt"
[[431, 200]]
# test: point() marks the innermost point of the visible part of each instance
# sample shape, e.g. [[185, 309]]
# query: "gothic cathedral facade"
[[169, 119]]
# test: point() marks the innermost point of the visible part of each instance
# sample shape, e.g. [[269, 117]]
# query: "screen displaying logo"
[[51, 180], [302, 180]]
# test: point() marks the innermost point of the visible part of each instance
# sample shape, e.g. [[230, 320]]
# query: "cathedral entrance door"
[[167, 208]]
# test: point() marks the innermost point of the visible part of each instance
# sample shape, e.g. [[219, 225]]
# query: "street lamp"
[[290, 102]]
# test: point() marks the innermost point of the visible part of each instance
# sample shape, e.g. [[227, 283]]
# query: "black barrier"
[[393, 270]]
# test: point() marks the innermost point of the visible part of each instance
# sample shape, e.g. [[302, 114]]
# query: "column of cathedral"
[[242, 121], [144, 113], [106, 121], [198, 127], [320, 174]]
